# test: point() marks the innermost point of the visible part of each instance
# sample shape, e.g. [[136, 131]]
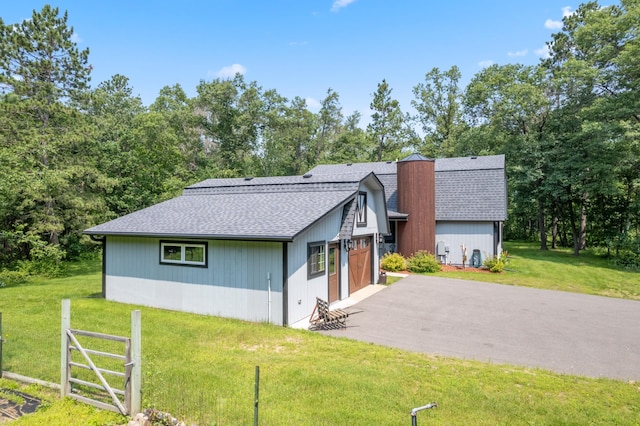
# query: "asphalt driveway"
[[563, 332]]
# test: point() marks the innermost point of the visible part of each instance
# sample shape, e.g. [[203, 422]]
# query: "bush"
[[625, 252], [627, 259], [393, 262], [423, 261], [45, 260], [496, 263], [12, 278]]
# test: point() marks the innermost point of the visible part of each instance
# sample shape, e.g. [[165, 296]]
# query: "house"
[[263, 249], [258, 249], [440, 205]]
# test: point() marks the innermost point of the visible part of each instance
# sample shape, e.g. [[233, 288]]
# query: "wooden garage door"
[[360, 264]]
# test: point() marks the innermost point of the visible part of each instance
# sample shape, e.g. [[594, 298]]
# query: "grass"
[[54, 411], [202, 368], [559, 269]]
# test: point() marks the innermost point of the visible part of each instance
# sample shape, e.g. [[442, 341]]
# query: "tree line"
[[73, 156]]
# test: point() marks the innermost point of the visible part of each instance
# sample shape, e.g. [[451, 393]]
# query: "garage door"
[[360, 264]]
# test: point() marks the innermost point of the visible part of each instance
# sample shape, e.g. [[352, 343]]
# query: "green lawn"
[[560, 270], [202, 368]]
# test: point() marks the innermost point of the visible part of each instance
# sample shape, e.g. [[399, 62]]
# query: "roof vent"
[[349, 164], [248, 178], [307, 176], [473, 157], [389, 162]]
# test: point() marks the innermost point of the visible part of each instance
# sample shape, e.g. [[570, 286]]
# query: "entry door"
[[360, 264], [334, 272]]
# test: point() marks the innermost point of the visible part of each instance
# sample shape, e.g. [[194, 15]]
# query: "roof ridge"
[[271, 188]]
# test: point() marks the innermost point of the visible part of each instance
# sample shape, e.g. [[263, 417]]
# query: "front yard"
[[202, 368]]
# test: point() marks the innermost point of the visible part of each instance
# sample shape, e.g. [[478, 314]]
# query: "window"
[[332, 261], [391, 238], [315, 259], [361, 209], [190, 254]]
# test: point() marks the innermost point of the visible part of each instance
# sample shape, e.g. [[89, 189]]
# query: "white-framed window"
[[183, 253], [361, 209], [316, 259]]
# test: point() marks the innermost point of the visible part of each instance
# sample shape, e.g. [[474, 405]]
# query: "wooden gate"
[[125, 400]]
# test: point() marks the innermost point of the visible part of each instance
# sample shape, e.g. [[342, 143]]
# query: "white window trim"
[[182, 246], [361, 209], [320, 260]]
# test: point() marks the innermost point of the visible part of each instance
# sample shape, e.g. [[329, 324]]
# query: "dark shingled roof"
[[467, 188], [277, 208]]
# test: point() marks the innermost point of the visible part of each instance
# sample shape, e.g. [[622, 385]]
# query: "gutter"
[[275, 238]]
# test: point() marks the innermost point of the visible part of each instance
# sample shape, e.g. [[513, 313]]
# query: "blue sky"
[[303, 47]]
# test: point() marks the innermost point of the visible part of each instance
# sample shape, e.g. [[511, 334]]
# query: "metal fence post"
[[257, 399], [64, 348]]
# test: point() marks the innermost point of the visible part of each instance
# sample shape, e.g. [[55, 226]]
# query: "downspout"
[[285, 285], [103, 240], [269, 293]]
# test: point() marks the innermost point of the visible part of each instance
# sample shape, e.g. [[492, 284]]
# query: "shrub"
[[45, 260], [423, 261], [624, 251], [497, 263], [628, 260], [12, 278], [393, 262]]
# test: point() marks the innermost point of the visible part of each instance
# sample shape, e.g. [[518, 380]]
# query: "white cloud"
[[76, 38], [556, 25], [543, 52], [485, 64], [552, 25], [339, 4], [518, 53], [298, 43], [231, 71], [313, 103]]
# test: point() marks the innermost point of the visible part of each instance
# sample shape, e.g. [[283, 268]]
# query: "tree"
[[595, 60], [510, 104], [352, 144], [438, 103], [45, 77], [232, 113], [329, 120], [289, 138], [388, 129], [179, 111]]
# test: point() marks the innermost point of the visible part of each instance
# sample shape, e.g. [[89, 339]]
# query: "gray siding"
[[303, 291], [234, 284], [474, 235]]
